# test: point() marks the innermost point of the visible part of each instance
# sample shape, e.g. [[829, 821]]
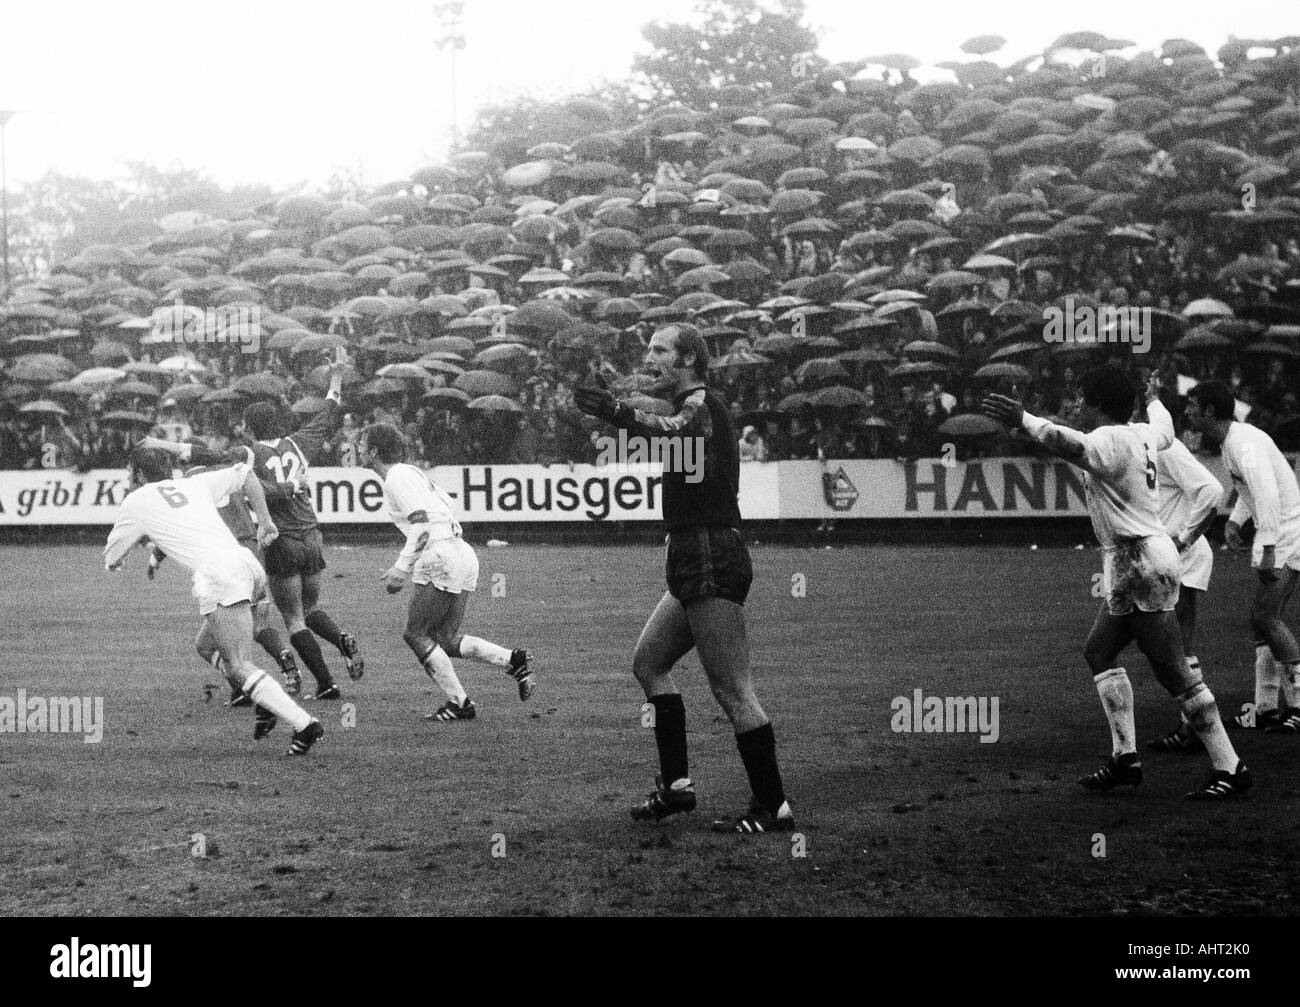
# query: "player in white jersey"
[[1189, 496], [1140, 567], [1266, 490], [444, 570], [180, 517]]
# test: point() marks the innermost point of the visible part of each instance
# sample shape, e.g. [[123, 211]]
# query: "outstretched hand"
[[1003, 409], [596, 402]]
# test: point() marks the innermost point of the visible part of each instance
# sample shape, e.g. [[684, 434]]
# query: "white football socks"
[[266, 692], [438, 666], [1198, 706], [481, 650], [1117, 700], [1267, 679]]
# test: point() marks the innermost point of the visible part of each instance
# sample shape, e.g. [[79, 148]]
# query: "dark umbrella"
[[446, 397], [970, 425], [838, 397]]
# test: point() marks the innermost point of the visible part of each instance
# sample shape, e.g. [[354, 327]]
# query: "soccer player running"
[[1266, 489], [294, 561], [444, 570], [1189, 498], [1140, 570], [234, 511], [709, 574], [180, 517]]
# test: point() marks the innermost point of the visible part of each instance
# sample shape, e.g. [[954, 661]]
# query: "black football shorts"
[[707, 563], [292, 556]]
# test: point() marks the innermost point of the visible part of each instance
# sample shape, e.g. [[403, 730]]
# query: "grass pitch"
[[524, 810]]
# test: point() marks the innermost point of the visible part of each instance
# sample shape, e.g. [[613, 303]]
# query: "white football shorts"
[[1286, 552], [1142, 574], [1196, 565], [449, 564], [228, 577]]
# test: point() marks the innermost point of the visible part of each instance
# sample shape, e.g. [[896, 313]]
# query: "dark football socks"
[[270, 640], [758, 752], [309, 650], [323, 626], [670, 736]]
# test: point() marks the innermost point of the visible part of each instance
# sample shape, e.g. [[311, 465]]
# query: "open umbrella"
[[1001, 369], [126, 418], [740, 360], [1207, 307], [820, 369], [838, 397], [94, 376], [446, 397], [496, 404], [404, 372], [262, 383], [970, 425], [43, 368], [43, 407], [481, 383]]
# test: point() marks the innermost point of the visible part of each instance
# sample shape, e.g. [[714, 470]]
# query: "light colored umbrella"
[[496, 404], [1207, 307], [1002, 369], [43, 407], [100, 376], [404, 372], [182, 364]]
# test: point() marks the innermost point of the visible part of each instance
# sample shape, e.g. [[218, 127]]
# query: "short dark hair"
[[386, 441], [1109, 389], [263, 421], [1215, 398], [153, 464], [687, 339]]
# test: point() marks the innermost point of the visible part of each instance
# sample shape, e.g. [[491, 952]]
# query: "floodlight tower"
[[449, 15]]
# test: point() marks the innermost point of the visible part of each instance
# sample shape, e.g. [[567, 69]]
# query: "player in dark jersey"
[[293, 566], [709, 574]]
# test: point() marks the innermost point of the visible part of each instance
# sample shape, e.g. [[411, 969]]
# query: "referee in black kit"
[[708, 573]]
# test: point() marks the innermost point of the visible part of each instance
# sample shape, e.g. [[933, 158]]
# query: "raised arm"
[[691, 419], [327, 420], [1062, 441]]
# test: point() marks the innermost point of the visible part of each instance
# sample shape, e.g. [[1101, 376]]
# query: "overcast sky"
[[283, 93]]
